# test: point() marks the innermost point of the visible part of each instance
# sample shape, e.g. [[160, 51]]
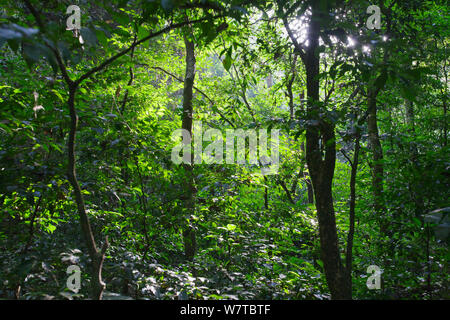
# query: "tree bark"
[[444, 106], [322, 169], [351, 230], [97, 257], [320, 138], [190, 244], [289, 85], [377, 158], [309, 186]]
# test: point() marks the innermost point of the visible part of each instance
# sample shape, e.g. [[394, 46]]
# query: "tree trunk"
[[322, 169], [289, 85], [190, 245], [309, 186], [351, 229], [96, 256], [377, 159], [444, 106]]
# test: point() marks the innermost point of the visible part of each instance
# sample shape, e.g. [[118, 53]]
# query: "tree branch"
[[125, 51], [298, 47], [288, 193], [196, 89]]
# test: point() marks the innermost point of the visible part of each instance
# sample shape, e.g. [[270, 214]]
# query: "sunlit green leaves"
[[227, 61]]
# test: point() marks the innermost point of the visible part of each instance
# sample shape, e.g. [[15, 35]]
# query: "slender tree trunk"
[[130, 81], [409, 111], [409, 108], [309, 186], [190, 245], [444, 92], [377, 159], [96, 256], [351, 231], [290, 95], [18, 286], [444, 106], [289, 85], [416, 192], [266, 194], [322, 169]]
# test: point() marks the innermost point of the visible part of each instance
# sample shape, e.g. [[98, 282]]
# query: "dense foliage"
[[362, 115]]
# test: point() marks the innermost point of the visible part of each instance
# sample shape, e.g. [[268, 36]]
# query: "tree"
[[321, 152]]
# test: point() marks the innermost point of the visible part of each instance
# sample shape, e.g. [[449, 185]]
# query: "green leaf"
[[32, 53], [228, 60], [89, 37], [5, 128], [320, 263], [58, 95]]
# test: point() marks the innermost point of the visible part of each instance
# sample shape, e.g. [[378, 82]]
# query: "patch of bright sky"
[[351, 42], [299, 27]]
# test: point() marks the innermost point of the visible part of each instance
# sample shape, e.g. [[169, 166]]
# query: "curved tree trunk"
[[96, 256]]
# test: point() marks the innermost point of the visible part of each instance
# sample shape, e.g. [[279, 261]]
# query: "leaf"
[[65, 52], [130, 165], [9, 34], [58, 95], [320, 263], [228, 60], [102, 35], [50, 228], [5, 128], [15, 32], [32, 52], [89, 37], [27, 32], [344, 68], [120, 17]]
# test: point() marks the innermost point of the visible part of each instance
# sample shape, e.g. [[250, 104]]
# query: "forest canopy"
[[211, 149]]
